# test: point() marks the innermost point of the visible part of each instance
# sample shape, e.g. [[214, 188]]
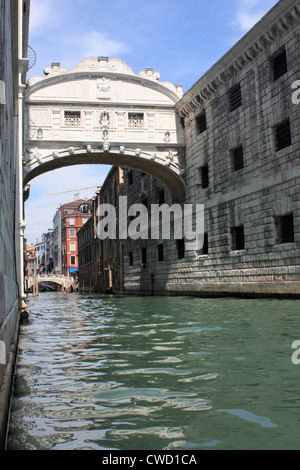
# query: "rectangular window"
[[235, 97], [203, 176], [237, 156], [135, 120], [71, 221], [201, 124], [72, 232], [180, 248], [237, 238], [160, 252], [205, 245], [72, 118], [73, 260], [130, 258], [72, 246], [161, 197], [130, 177], [279, 63], [284, 228], [144, 255], [283, 135]]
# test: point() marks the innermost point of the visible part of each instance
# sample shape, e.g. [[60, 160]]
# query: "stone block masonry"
[[10, 298], [242, 162]]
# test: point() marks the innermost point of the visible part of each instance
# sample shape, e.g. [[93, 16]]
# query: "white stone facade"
[[101, 112]]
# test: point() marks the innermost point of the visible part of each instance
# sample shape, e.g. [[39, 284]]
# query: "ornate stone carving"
[[105, 122], [54, 69], [103, 88], [39, 133], [104, 119]]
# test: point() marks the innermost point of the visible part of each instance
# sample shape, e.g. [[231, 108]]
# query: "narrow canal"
[[155, 373]]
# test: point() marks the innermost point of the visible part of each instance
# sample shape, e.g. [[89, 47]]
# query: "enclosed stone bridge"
[[102, 112], [66, 283]]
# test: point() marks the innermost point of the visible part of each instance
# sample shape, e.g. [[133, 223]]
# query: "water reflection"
[[156, 373]]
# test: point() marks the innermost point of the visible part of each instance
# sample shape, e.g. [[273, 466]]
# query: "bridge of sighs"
[[102, 112]]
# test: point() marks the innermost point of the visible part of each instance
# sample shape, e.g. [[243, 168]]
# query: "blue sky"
[[180, 39]]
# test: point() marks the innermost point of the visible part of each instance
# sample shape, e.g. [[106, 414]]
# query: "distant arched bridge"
[[66, 283]]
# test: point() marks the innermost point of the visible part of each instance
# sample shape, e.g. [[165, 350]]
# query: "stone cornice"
[[102, 67], [277, 23]]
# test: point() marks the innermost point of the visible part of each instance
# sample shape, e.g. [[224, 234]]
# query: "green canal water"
[[153, 373]]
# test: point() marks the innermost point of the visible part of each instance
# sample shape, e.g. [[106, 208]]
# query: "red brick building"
[[73, 216]]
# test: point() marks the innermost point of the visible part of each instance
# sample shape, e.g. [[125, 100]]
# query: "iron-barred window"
[[283, 135], [279, 65], [135, 120], [201, 124], [204, 176], [285, 228], [72, 118], [238, 158], [235, 97], [161, 197], [130, 177], [160, 252], [237, 238], [204, 249], [180, 248], [144, 255]]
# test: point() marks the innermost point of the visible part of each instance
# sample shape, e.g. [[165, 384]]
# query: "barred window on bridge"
[[72, 118], [136, 120]]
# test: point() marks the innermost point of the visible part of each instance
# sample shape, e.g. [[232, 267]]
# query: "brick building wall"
[[101, 260]]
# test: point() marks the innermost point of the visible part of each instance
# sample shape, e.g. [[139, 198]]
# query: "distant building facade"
[[43, 250], [73, 217], [30, 260], [101, 261]]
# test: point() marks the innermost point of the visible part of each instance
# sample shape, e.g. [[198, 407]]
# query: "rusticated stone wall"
[[242, 163]]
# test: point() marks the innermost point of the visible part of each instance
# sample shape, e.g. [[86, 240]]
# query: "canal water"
[[153, 373]]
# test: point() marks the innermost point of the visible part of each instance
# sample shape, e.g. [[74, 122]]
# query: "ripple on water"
[[98, 372]]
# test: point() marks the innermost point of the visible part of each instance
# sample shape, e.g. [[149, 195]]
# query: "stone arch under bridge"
[[66, 283], [101, 112]]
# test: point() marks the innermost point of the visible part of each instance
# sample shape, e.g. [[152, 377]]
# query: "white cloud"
[[95, 44], [249, 12], [43, 14]]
